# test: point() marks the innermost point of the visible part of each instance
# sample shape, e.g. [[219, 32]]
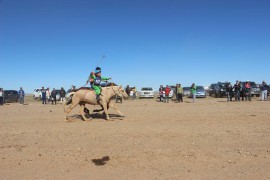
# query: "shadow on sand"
[[102, 161], [94, 116]]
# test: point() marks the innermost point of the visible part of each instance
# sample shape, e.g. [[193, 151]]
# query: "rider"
[[95, 80], [91, 77]]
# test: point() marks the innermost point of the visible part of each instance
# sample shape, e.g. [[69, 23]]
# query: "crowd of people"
[[51, 96], [164, 93], [239, 91], [242, 91]]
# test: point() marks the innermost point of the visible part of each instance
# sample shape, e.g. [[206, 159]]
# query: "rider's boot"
[[98, 97]]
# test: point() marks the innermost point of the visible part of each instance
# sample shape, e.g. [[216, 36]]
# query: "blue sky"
[[57, 43]]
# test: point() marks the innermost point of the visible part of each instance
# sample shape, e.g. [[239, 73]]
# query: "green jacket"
[[193, 90], [97, 80]]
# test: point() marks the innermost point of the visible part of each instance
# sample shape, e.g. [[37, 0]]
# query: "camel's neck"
[[110, 92]]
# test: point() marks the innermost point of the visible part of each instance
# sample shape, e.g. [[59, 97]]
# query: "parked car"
[[11, 96], [186, 91], [146, 92], [200, 92], [220, 89], [211, 89], [255, 89], [37, 94]]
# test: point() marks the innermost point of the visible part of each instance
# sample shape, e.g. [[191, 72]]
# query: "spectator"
[[128, 90], [53, 95], [48, 94], [236, 88], [118, 98], [248, 91], [176, 95], [242, 90], [179, 93], [21, 95], [193, 92], [134, 93], [1, 97], [264, 88], [62, 94], [161, 89], [72, 88], [167, 93], [43, 95], [229, 91]]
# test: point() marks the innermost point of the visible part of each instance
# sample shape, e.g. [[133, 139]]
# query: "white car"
[[37, 94], [146, 92]]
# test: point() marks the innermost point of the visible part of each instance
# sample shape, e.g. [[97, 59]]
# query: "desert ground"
[[209, 139]]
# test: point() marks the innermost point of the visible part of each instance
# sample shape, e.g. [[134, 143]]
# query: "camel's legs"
[[82, 111], [70, 108], [116, 109], [105, 110]]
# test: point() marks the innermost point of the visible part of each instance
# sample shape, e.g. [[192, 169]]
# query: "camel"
[[86, 96]]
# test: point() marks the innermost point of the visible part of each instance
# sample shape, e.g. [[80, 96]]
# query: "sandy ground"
[[210, 139]]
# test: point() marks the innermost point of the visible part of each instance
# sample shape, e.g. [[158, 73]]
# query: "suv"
[[220, 89], [37, 94], [11, 96], [211, 89]]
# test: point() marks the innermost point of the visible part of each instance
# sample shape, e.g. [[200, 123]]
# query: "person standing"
[[1, 97], [134, 93], [167, 93], [176, 95], [128, 90], [242, 90], [48, 94], [247, 91], [43, 95], [193, 92], [160, 91], [21, 95], [229, 91], [62, 94], [237, 91], [179, 93], [264, 88], [53, 95]]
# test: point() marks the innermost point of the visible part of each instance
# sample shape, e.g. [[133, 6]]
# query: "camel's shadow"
[[95, 116]]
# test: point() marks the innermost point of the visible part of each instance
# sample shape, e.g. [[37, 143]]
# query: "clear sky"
[[55, 43]]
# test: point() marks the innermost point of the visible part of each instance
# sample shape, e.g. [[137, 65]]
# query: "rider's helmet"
[[98, 70]]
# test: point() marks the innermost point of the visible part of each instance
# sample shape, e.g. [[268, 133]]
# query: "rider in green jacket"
[[95, 80]]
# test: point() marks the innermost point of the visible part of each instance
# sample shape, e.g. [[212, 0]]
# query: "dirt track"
[[211, 139]]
